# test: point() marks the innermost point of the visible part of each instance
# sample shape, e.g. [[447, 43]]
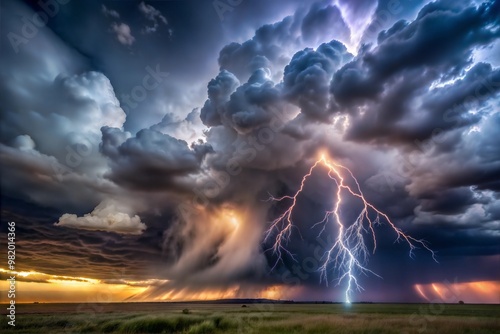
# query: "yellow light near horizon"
[[67, 289], [46, 288], [74, 283], [208, 294], [49, 277], [272, 292], [24, 273]]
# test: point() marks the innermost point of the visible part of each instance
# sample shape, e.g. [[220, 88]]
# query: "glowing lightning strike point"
[[349, 252]]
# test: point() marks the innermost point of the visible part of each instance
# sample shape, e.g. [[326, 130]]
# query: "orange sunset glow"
[[482, 292], [34, 286]]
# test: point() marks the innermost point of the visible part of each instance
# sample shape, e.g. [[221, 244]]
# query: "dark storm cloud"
[[439, 109], [273, 44], [306, 79], [450, 201], [248, 107], [41, 178], [219, 90], [437, 38], [177, 43], [52, 110], [235, 111], [252, 122], [472, 162], [151, 159], [387, 13], [323, 15], [267, 47], [189, 128], [391, 78], [48, 248]]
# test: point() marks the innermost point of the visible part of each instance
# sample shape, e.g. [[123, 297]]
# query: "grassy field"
[[195, 318]]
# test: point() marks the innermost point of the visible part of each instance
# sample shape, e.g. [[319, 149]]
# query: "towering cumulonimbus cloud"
[[381, 90], [219, 90], [306, 79], [273, 45]]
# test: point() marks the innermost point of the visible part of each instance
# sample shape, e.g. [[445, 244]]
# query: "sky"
[[149, 149]]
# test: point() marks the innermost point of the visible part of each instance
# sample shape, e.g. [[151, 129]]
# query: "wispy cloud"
[[109, 12], [154, 16], [123, 33]]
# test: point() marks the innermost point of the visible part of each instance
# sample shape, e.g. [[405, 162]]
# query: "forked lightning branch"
[[349, 253]]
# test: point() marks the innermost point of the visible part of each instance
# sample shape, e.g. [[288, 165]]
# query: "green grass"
[[258, 318]]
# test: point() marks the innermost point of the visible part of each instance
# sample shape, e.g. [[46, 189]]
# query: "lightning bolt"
[[349, 253]]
